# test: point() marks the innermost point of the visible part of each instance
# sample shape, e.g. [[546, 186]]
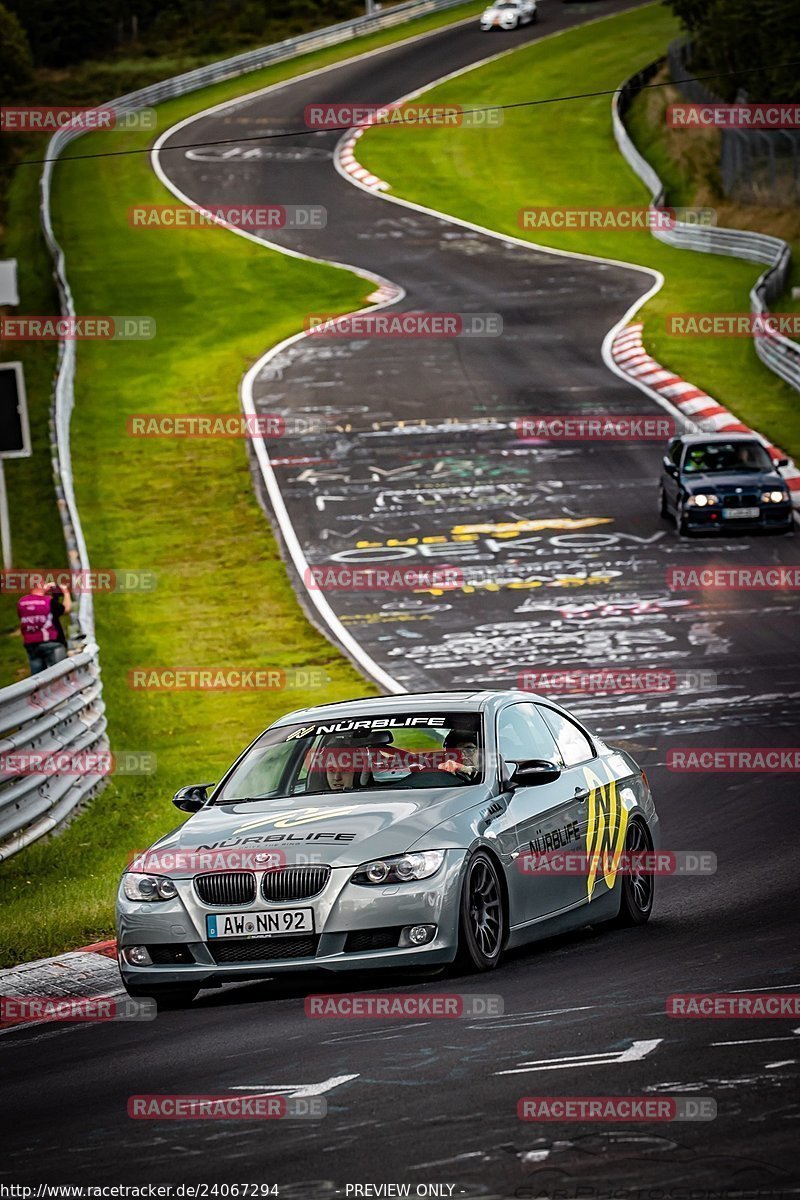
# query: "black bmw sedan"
[[724, 481]]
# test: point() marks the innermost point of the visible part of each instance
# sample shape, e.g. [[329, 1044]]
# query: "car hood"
[[499, 12], [342, 829], [713, 481]]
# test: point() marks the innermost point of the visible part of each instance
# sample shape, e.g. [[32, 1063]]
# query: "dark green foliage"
[[750, 39], [16, 63], [64, 32]]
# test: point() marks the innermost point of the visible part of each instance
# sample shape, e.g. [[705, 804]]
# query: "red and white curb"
[[345, 154], [88, 973], [630, 356]]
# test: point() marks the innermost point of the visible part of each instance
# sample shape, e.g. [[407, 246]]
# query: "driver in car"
[[349, 762], [465, 758]]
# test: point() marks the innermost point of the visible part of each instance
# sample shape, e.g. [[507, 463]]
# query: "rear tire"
[[482, 921], [636, 903]]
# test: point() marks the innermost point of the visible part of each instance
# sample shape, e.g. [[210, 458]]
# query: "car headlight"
[[702, 499], [774, 497], [148, 887], [402, 868]]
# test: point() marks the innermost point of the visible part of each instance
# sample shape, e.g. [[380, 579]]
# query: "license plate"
[[746, 514], [260, 924]]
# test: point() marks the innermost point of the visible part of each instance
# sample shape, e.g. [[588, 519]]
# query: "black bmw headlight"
[[400, 868]]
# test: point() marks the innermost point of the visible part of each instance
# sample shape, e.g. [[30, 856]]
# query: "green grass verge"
[[182, 509], [565, 155], [37, 538], [36, 530]]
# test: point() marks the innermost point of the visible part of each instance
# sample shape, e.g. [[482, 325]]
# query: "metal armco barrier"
[[60, 709], [777, 352]]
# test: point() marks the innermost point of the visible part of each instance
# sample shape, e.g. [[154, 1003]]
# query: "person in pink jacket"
[[39, 617]]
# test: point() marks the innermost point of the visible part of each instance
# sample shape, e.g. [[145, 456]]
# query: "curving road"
[[565, 560]]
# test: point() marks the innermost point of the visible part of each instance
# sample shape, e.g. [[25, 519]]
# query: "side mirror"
[[781, 462], [669, 466], [532, 771], [192, 798]]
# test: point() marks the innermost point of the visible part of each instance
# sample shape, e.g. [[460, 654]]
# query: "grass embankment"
[[36, 530], [564, 154], [687, 160], [182, 509]]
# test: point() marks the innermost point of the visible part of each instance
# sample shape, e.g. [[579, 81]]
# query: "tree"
[[747, 43], [16, 62]]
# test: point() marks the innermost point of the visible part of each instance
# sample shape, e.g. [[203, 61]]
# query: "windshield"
[[727, 456], [389, 751]]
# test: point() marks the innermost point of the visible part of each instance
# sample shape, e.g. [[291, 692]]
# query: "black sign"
[[14, 439]]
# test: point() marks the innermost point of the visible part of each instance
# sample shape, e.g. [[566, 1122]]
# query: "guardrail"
[[63, 707], [60, 709], [777, 352]]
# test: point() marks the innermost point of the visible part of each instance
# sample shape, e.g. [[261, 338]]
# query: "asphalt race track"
[[564, 560]]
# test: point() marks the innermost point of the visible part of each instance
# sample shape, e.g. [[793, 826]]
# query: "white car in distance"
[[508, 14]]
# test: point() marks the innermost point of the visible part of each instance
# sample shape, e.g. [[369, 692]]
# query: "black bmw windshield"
[[727, 456], [389, 751]]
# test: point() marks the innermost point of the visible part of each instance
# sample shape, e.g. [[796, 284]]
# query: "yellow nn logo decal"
[[605, 834]]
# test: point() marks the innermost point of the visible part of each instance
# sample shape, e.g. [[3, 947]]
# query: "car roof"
[[468, 700], [690, 439]]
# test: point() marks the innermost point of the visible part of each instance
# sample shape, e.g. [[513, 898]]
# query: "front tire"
[[482, 922], [637, 887], [663, 510]]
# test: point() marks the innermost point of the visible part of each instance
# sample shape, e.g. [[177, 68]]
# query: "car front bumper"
[[347, 918], [774, 516]]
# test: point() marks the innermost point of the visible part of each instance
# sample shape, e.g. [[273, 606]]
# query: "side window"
[[574, 745], [675, 452], [523, 733]]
